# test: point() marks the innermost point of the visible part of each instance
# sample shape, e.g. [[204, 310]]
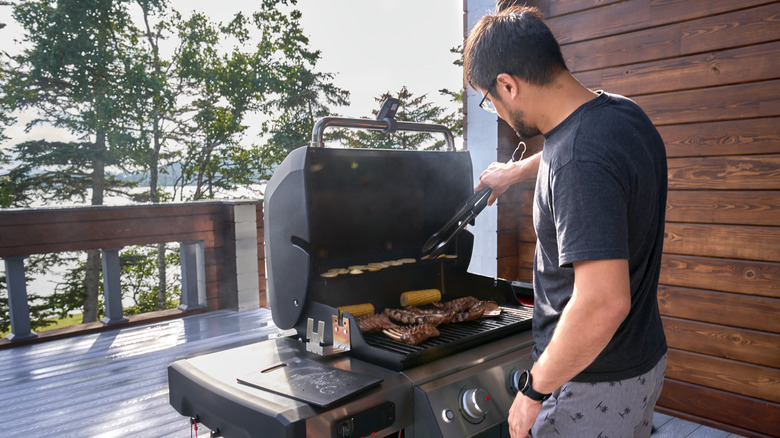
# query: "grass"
[[68, 321]]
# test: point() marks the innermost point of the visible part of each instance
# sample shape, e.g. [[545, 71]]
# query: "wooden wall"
[[707, 72]]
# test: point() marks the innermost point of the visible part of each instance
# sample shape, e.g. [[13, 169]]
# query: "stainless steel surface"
[[377, 125], [219, 371], [455, 396]]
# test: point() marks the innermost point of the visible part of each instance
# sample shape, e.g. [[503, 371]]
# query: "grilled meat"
[[412, 335], [420, 324], [458, 305], [489, 308], [469, 315], [375, 323], [413, 315]]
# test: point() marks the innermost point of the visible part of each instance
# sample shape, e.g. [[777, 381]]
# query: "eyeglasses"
[[485, 104]]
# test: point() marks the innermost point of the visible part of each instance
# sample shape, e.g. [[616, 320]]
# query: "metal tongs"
[[441, 240]]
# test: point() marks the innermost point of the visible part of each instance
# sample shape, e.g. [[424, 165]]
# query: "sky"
[[377, 46], [374, 46], [371, 46]]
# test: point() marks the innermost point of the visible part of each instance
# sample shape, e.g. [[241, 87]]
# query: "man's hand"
[[500, 176], [522, 416]]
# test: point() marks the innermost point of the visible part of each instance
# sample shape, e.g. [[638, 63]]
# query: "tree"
[[72, 74], [89, 69], [411, 109], [137, 266], [282, 86], [7, 188], [297, 111], [194, 103]]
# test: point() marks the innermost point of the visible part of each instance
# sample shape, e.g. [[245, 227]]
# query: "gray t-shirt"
[[601, 194]]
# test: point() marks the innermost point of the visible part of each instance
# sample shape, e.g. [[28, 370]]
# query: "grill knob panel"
[[475, 404]]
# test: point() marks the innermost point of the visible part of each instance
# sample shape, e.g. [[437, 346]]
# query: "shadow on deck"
[[115, 383]]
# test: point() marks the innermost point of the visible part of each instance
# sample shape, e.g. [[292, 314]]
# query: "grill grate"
[[454, 334]]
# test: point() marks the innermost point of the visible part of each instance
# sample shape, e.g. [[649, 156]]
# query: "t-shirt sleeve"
[[589, 209]]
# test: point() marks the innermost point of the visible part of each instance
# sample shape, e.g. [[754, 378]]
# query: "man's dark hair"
[[515, 41]]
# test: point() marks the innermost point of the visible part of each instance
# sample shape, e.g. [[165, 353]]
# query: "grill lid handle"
[[387, 114], [385, 122]]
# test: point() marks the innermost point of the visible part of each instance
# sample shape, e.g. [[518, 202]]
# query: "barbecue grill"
[[329, 209]]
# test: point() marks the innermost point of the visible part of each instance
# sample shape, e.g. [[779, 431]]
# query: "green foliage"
[[196, 102], [72, 74], [138, 267], [297, 111], [40, 313], [56, 171], [7, 191], [72, 71], [411, 109]]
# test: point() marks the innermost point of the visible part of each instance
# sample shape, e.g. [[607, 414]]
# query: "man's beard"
[[523, 130]]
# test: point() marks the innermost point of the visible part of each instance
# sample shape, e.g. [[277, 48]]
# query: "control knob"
[[514, 380], [475, 403]]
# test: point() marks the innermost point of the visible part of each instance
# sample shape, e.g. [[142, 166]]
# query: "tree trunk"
[[155, 197], [161, 269], [99, 169], [91, 286]]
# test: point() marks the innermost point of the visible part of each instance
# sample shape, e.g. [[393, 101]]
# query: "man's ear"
[[508, 86]]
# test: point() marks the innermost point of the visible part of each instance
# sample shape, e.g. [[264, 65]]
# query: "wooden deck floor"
[[114, 384]]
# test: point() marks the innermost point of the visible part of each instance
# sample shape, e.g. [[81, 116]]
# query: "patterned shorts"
[[621, 409]]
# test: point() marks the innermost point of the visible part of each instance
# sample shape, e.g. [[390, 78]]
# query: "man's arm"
[[600, 302], [499, 176]]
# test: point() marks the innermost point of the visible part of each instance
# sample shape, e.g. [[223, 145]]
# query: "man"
[[599, 218]]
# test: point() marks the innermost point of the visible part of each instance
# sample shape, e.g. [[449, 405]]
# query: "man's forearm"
[[527, 167], [599, 304]]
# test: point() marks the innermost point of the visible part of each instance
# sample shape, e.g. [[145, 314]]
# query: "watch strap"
[[529, 391]]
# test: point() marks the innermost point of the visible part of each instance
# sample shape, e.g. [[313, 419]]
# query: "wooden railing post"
[[193, 276], [112, 287], [221, 255], [18, 308], [247, 282]]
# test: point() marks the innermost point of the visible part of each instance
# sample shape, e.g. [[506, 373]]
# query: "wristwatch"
[[525, 386]]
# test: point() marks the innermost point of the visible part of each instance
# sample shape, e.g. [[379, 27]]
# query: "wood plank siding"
[[707, 72]]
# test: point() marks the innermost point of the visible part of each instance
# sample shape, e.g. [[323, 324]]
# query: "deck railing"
[[221, 248]]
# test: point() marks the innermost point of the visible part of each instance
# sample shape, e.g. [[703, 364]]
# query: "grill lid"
[[333, 208]]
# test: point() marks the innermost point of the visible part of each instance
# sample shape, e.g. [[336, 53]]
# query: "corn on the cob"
[[358, 310], [420, 297]]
